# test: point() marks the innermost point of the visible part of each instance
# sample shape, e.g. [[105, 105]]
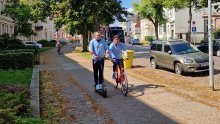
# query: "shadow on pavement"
[[138, 66], [139, 90], [121, 109]]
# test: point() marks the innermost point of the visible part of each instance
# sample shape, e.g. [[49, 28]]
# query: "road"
[[146, 102], [142, 54]]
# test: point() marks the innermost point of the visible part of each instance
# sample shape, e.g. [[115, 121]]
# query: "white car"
[[135, 41], [32, 43]]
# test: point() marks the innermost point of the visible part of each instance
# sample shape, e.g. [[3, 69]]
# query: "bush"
[[45, 43], [71, 41], [16, 60], [216, 34], [28, 49], [8, 43], [149, 38], [53, 43], [18, 51]]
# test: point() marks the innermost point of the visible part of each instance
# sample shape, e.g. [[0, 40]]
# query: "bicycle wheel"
[[116, 80], [124, 84]]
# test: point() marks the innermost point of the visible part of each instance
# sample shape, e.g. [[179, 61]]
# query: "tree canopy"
[[20, 13], [153, 10], [80, 16], [191, 4]]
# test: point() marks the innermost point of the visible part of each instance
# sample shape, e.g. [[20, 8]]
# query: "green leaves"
[[153, 10], [21, 14]]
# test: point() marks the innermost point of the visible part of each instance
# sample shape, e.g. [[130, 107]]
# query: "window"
[[167, 48], [1, 6], [159, 47], [183, 48], [154, 47], [164, 28], [0, 28], [3, 28], [160, 30]]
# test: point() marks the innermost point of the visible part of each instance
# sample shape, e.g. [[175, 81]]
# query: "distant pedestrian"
[[59, 46]]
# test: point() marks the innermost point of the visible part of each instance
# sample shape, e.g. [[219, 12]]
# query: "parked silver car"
[[32, 43], [179, 55], [135, 41]]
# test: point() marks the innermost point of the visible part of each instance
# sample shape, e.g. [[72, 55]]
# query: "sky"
[[127, 4]]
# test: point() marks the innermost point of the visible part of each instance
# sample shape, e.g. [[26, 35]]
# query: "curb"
[[35, 93]]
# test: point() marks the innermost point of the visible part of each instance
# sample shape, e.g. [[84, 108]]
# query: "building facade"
[[132, 27], [147, 29], [6, 24], [44, 30], [177, 25]]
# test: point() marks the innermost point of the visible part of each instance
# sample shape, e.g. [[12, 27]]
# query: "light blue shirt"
[[99, 48], [116, 50]]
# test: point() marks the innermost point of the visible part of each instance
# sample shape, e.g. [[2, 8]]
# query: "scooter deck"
[[102, 92]]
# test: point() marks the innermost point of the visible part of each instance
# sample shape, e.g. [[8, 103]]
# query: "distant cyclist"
[[59, 46], [115, 51], [98, 49]]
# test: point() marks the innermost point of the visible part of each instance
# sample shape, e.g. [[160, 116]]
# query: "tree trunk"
[[190, 20], [156, 30], [90, 35], [96, 21], [85, 37]]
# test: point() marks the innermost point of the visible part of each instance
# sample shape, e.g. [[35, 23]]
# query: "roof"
[[171, 42]]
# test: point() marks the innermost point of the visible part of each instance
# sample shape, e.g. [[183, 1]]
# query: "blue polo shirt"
[[116, 50], [99, 48]]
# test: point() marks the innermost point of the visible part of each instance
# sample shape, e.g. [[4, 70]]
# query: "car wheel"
[[178, 69], [154, 64], [218, 53]]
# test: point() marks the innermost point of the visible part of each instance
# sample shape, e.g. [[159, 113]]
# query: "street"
[[146, 103], [142, 54]]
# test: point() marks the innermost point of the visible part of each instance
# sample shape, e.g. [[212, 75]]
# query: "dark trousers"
[[58, 50], [115, 64], [98, 68]]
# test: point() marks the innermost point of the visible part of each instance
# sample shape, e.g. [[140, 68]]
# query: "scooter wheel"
[[104, 92]]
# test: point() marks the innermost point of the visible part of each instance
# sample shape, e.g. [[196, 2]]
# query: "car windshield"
[[183, 48]]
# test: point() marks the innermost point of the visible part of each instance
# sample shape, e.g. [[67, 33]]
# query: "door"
[[159, 54], [215, 47], [167, 57]]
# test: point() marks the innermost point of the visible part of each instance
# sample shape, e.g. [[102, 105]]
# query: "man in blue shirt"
[[115, 51], [98, 49]]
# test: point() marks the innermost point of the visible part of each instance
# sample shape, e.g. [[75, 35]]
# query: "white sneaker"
[[97, 87], [100, 86]]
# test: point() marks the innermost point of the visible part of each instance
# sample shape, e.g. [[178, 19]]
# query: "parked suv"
[[216, 47], [178, 55]]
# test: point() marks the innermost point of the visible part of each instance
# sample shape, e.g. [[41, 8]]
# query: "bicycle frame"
[[119, 68]]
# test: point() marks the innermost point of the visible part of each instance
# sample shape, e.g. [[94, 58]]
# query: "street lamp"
[[211, 71]]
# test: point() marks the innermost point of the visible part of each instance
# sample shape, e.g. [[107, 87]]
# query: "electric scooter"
[[102, 91]]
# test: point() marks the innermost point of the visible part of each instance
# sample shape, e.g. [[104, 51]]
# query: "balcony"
[[39, 28]]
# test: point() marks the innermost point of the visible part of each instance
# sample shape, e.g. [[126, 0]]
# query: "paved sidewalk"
[[146, 103]]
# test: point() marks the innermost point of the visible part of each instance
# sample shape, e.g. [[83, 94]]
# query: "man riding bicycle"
[[115, 50], [98, 49]]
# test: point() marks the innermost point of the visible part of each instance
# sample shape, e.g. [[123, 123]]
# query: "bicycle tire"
[[116, 80]]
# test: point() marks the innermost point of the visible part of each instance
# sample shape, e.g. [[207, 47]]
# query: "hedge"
[[53, 43], [216, 34], [34, 51], [18, 51], [45, 43], [16, 60], [8, 44], [149, 38]]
